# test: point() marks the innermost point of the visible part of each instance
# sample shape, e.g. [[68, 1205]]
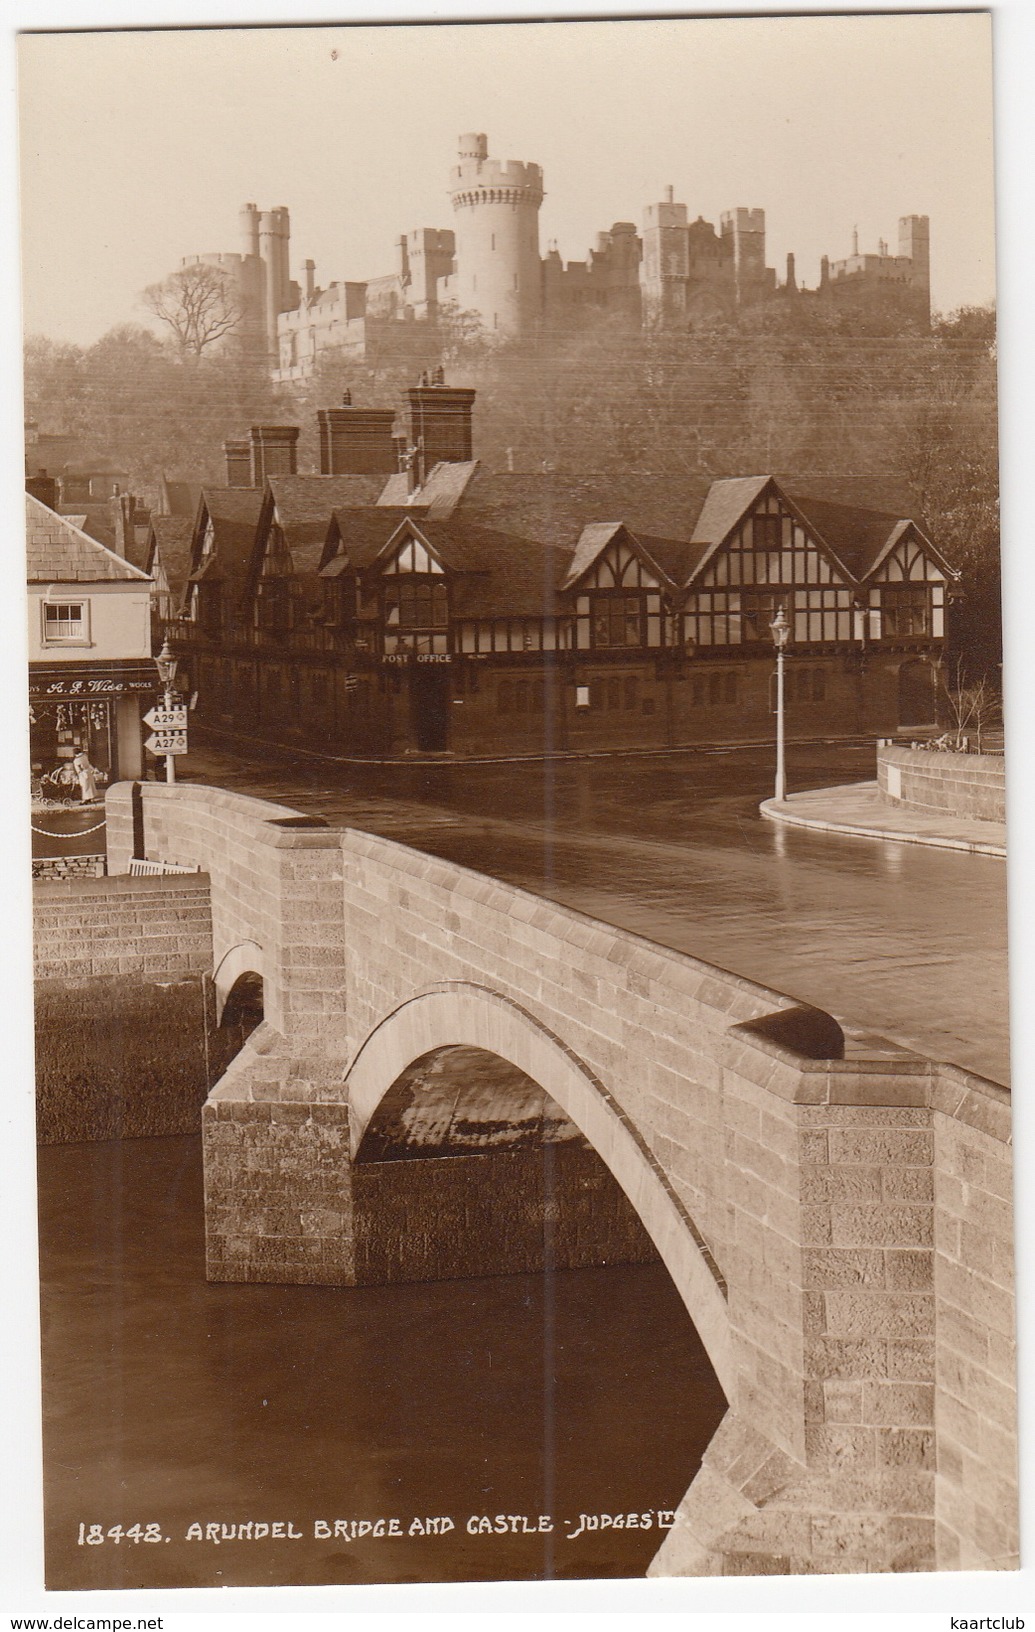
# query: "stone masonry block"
[[879, 1314]]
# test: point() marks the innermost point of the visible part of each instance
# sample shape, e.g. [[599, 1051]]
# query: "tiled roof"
[[677, 557], [365, 532], [304, 499], [171, 536], [59, 552], [856, 535], [180, 498], [554, 506], [592, 539], [93, 519], [444, 489], [727, 500], [234, 513], [498, 574]]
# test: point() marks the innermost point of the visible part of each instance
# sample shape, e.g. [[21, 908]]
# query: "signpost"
[[168, 718]]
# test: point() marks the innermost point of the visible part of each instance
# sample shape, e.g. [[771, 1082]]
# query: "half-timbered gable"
[[907, 587], [761, 552], [413, 594], [221, 549], [619, 593]]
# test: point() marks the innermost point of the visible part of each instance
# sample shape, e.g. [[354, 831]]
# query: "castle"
[[489, 269]]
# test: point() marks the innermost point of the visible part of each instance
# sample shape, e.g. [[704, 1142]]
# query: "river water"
[[172, 1402]]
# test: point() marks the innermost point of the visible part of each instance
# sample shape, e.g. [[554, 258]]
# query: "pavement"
[[859, 811]]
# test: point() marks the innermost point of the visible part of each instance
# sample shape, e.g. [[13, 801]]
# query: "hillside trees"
[[897, 419], [132, 398]]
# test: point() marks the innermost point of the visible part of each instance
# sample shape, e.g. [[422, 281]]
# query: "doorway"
[[429, 703], [917, 694]]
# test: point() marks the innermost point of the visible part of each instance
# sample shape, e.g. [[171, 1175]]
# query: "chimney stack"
[[441, 423], [44, 488], [356, 441], [238, 455], [274, 452]]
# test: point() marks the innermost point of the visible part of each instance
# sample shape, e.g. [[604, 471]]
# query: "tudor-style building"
[[468, 613]]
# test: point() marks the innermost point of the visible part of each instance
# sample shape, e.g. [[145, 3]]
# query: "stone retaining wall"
[[86, 927], [958, 784], [57, 867]]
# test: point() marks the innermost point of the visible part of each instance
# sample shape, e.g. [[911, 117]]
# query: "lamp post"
[[781, 632], [165, 663]]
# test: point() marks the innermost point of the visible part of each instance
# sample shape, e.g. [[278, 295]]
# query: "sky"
[[138, 148]]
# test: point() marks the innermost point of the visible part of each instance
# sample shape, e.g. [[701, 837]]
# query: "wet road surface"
[[171, 1402], [902, 940]]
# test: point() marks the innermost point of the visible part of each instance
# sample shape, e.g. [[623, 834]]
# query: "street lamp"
[[165, 663], [781, 633]]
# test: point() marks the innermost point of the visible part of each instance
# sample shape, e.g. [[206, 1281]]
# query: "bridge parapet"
[[276, 891], [840, 1229]]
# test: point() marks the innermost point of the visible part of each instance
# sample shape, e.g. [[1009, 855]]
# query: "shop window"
[[65, 623], [504, 696]]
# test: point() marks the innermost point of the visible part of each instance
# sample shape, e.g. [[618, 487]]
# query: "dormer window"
[[617, 620], [416, 615]]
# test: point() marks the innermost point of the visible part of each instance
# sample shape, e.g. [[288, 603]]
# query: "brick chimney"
[[274, 452], [44, 488], [238, 455], [357, 441], [441, 423]]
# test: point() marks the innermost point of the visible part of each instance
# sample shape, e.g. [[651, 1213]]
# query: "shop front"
[[92, 709]]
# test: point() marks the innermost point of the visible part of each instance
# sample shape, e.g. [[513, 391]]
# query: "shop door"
[[917, 694], [429, 697]]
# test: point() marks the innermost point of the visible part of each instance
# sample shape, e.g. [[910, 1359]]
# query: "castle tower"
[[666, 260], [496, 203], [274, 233], [744, 232], [914, 244]]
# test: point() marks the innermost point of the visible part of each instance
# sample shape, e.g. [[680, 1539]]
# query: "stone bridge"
[[838, 1223]]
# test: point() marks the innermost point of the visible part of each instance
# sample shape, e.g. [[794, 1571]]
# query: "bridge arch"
[[462, 1013], [244, 959]]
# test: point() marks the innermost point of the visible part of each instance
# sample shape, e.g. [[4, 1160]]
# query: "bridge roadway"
[[906, 942], [837, 1222]]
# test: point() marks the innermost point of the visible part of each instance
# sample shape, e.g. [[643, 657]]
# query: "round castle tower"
[[498, 271]]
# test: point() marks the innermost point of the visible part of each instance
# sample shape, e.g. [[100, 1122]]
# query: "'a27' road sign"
[[167, 742]]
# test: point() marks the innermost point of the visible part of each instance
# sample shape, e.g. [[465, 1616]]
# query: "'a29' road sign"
[[166, 719]]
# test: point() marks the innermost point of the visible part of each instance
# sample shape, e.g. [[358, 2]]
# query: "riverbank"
[[858, 811]]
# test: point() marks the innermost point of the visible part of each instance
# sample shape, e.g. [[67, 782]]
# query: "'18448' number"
[[95, 1535]]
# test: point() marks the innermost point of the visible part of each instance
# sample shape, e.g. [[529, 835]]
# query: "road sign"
[[167, 742], [160, 718]]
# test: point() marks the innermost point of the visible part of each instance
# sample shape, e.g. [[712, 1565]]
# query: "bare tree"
[[973, 709], [199, 303]]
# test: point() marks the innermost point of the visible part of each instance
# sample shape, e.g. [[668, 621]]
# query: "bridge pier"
[[840, 1230]]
